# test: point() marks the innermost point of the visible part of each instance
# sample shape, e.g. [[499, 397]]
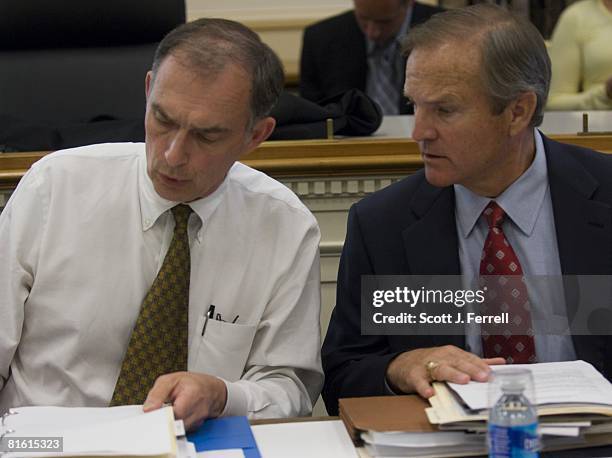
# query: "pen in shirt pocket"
[[210, 314]]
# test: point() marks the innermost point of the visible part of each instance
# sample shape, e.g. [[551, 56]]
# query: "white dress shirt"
[[82, 239]]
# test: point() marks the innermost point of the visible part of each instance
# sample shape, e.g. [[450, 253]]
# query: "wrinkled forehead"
[[179, 65], [180, 90], [444, 65]]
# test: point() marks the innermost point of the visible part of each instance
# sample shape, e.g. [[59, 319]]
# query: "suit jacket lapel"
[[430, 243], [583, 225], [584, 233]]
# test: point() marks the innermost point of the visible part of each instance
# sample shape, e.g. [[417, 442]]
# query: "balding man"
[[166, 271], [361, 49]]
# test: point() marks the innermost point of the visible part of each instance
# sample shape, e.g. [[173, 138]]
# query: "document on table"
[[307, 439], [114, 431], [228, 453], [567, 383]]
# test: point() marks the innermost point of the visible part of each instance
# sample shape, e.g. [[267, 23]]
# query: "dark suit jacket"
[[334, 55], [409, 229]]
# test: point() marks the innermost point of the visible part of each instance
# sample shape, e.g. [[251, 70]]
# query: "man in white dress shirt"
[[87, 230]]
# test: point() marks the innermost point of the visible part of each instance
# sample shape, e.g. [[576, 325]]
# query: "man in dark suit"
[[479, 79], [361, 49]]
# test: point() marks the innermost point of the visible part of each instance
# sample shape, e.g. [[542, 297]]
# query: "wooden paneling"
[[317, 158]]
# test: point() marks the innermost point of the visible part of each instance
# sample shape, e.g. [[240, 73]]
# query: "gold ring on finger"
[[430, 367]]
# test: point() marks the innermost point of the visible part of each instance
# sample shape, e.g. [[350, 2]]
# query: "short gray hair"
[[514, 56], [209, 44]]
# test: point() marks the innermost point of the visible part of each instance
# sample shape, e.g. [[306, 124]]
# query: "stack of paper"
[[398, 426], [116, 431], [121, 431], [574, 403]]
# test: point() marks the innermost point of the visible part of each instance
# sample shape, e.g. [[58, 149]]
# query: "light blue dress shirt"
[[391, 49], [529, 227]]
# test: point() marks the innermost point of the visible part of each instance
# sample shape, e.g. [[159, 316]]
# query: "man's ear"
[[521, 111], [259, 133], [148, 83]]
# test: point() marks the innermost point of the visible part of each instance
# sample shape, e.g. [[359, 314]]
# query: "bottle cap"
[[513, 386]]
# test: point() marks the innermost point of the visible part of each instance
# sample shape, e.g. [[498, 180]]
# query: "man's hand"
[[194, 397], [408, 373]]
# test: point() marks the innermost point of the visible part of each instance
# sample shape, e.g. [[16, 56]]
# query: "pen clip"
[[207, 316]]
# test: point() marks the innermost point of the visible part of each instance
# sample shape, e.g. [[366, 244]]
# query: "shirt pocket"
[[223, 350]]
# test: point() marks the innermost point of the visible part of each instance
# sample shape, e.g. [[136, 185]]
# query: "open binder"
[[117, 431]]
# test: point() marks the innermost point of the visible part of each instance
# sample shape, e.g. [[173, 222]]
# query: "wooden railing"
[[316, 158]]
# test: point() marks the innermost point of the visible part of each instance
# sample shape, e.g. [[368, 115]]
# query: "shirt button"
[[147, 222]]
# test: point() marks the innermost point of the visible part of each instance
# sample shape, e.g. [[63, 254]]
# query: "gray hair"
[[513, 53], [208, 45]]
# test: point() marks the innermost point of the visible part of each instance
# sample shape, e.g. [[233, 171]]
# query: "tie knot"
[[181, 215], [494, 214]]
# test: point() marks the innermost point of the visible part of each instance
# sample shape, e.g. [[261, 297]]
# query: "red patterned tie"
[[501, 273]]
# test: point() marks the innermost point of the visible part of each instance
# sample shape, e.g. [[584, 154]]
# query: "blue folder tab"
[[224, 433]]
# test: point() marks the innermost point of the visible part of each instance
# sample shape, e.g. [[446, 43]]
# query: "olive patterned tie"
[[158, 344]]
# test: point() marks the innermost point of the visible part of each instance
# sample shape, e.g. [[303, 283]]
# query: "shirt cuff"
[[237, 403]]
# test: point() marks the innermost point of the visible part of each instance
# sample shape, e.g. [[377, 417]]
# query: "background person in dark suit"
[[479, 79], [361, 49]]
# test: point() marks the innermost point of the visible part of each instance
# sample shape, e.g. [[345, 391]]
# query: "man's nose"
[[176, 154], [423, 128]]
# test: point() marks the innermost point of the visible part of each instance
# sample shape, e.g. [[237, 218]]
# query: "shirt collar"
[[521, 201], [152, 205], [397, 40]]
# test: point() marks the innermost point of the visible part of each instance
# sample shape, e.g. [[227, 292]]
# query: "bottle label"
[[519, 441]]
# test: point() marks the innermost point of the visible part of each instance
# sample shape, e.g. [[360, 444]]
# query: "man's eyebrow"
[[211, 130], [199, 130], [161, 111], [444, 98]]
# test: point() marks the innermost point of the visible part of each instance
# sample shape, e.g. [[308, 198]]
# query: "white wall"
[[248, 10], [280, 23]]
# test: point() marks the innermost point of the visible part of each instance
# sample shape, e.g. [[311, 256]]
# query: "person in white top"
[[86, 231]]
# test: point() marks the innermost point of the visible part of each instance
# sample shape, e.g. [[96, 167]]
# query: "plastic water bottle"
[[513, 423]]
